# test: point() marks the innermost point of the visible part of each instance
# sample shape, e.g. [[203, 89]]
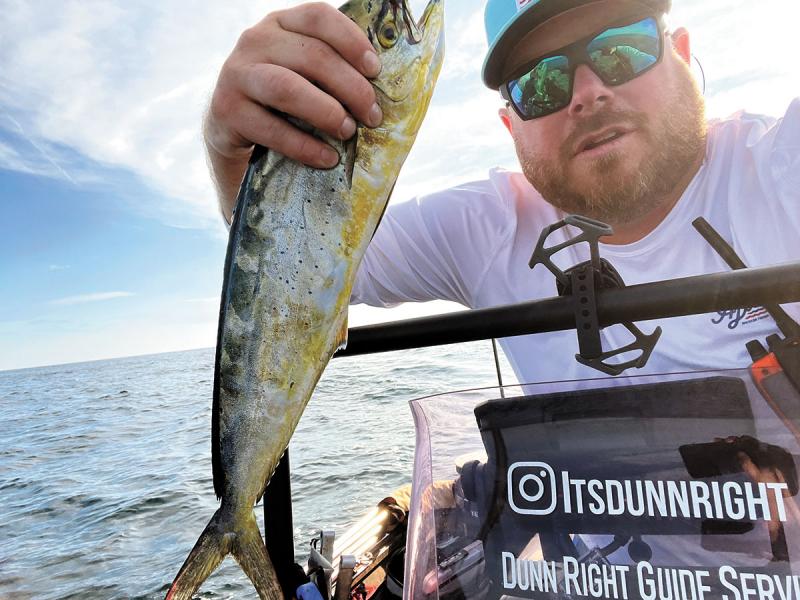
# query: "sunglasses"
[[616, 55]]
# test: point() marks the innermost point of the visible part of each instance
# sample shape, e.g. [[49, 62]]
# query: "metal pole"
[[278, 527], [665, 299]]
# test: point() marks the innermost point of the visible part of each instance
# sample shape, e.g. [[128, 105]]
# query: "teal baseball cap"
[[508, 21]]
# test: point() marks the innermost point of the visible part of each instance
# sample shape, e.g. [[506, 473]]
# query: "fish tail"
[[251, 554], [213, 545]]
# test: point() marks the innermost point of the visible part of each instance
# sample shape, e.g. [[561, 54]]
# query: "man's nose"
[[589, 93]]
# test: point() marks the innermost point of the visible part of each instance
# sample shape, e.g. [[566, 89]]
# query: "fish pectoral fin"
[[341, 337]]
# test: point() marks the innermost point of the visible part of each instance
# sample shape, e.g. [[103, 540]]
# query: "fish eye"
[[388, 34]]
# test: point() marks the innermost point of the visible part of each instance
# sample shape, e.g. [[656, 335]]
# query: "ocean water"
[[105, 467]]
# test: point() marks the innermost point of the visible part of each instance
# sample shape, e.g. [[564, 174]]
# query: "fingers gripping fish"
[[296, 242]]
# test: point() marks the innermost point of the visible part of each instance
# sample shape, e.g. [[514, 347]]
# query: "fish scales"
[[295, 319], [296, 242]]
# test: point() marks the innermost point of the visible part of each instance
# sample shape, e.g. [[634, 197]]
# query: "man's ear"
[[682, 44], [505, 117]]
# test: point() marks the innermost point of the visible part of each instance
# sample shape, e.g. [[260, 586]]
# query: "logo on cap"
[[523, 3]]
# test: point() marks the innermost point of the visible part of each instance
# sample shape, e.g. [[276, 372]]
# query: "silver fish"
[[296, 242]]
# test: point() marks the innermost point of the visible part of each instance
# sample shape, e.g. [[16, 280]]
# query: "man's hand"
[[309, 62]]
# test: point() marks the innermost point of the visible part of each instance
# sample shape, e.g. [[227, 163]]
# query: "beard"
[[614, 188]]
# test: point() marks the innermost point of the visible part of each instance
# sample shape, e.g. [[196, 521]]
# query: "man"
[[607, 122], [630, 147]]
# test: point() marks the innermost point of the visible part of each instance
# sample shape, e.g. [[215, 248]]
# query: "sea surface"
[[105, 467]]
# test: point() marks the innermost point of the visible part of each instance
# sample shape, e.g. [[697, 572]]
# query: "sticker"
[[643, 581], [535, 489]]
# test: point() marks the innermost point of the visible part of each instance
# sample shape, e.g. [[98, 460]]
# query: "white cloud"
[[58, 267], [12, 160], [361, 314], [466, 43], [121, 83], [167, 323], [206, 300], [85, 298], [126, 84], [748, 51], [41, 150]]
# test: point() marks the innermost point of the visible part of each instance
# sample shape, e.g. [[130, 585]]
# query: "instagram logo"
[[532, 488]]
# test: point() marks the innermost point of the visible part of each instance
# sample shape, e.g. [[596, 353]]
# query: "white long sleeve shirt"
[[471, 244]]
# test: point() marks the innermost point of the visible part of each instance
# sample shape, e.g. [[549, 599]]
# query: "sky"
[[111, 243]]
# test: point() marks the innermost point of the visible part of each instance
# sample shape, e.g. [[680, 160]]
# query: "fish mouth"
[[430, 9], [415, 32]]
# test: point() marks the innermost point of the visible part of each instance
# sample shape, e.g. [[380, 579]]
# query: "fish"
[[297, 239]]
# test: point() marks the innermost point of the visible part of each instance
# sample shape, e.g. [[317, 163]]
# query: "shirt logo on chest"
[[741, 316]]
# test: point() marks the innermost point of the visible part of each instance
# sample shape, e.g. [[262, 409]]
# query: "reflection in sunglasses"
[[616, 56]]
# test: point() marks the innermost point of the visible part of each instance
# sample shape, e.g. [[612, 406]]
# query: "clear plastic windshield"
[[667, 487]]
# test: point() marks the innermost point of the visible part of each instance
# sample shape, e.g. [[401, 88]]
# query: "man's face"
[[615, 153]]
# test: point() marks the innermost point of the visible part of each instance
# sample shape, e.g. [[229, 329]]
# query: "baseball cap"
[[507, 21]]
